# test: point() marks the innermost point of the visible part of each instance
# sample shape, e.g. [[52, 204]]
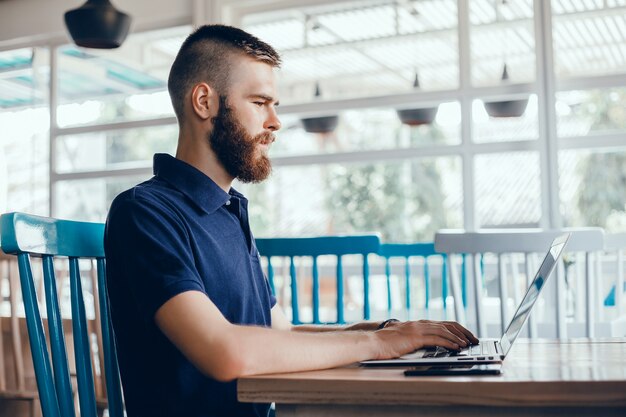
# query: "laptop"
[[488, 350]]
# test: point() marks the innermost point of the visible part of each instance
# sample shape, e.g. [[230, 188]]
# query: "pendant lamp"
[[506, 108], [97, 24], [417, 116], [324, 124]]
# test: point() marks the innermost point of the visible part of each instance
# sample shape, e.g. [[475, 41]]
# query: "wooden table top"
[[535, 373]]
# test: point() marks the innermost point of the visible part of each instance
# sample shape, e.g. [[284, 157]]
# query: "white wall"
[[34, 20]]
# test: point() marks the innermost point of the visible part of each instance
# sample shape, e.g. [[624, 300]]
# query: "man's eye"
[[259, 103]]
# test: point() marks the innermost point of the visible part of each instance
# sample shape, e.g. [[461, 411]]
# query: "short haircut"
[[206, 56]]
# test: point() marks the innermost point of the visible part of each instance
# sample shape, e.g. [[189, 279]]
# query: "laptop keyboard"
[[488, 348], [484, 349]]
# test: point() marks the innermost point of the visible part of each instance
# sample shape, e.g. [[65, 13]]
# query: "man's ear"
[[203, 101]]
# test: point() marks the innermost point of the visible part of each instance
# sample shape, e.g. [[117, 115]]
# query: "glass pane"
[[361, 130], [507, 188], [114, 149], [24, 132], [589, 37], [129, 83], [404, 201], [362, 48], [580, 113], [593, 188], [502, 32], [89, 200], [505, 129]]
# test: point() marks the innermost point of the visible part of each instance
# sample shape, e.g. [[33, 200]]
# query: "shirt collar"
[[196, 185]]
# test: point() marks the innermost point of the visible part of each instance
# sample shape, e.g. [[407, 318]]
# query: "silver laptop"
[[488, 350]]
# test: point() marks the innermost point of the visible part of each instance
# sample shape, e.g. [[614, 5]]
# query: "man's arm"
[[281, 322], [226, 351]]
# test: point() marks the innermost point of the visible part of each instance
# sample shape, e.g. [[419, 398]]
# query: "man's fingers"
[[442, 331], [466, 333], [439, 341], [458, 330], [458, 333]]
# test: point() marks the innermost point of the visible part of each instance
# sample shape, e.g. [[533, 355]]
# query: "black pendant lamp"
[[324, 124], [97, 24], [506, 108], [419, 116]]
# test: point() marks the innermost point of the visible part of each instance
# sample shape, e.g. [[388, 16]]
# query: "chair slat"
[[37, 338], [57, 340], [82, 347], [502, 286], [455, 287], [340, 315], [444, 290], [407, 285], [388, 282], [561, 329], [15, 328], [477, 261], [619, 283], [294, 292], [463, 277], [111, 368], [366, 288], [589, 291], [316, 292], [426, 284]]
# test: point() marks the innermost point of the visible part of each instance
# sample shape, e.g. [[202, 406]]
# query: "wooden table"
[[579, 377]]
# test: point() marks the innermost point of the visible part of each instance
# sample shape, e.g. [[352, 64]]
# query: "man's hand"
[[399, 338]]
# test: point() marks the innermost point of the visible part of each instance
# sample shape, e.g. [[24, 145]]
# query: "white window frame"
[[545, 87]]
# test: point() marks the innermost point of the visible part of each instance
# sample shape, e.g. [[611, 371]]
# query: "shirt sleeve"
[[148, 252]]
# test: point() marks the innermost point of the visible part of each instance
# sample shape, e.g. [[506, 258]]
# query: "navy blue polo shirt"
[[177, 232]]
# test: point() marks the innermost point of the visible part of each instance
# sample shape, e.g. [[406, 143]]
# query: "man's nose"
[[273, 122]]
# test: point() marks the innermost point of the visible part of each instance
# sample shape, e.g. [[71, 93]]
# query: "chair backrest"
[[314, 247], [518, 241], [8, 271], [424, 250], [25, 236]]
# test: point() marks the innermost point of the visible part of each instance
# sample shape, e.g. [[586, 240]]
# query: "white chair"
[[505, 245]]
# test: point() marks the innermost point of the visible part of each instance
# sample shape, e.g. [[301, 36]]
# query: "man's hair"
[[206, 56]]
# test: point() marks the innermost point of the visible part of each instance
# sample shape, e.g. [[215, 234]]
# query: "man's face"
[[246, 119]]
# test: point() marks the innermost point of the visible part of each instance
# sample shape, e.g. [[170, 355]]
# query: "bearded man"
[[191, 308]]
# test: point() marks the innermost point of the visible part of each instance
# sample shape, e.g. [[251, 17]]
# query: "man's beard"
[[236, 149]]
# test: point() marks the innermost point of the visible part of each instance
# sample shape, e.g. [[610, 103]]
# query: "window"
[[25, 121], [113, 114], [368, 59]]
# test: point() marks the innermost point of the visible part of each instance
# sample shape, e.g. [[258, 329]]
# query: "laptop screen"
[[532, 294]]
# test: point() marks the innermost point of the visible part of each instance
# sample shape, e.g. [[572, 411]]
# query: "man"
[[191, 308]]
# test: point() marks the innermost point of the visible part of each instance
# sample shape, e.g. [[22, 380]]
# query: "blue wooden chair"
[[314, 247], [25, 236], [424, 250]]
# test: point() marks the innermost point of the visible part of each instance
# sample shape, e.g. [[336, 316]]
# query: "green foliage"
[[402, 202], [603, 190], [602, 194]]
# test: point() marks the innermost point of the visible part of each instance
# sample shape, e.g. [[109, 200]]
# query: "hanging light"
[[417, 116], [97, 24], [323, 124], [506, 108]]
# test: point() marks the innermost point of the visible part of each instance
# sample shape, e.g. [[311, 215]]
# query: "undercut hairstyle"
[[207, 55]]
